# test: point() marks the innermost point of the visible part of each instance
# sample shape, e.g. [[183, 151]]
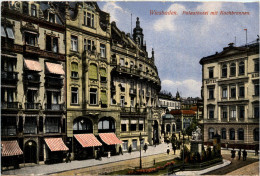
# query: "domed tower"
[[178, 95], [138, 33]]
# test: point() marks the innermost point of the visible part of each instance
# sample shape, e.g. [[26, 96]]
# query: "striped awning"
[[110, 138], [32, 65], [87, 140], [56, 144], [11, 148], [55, 68]]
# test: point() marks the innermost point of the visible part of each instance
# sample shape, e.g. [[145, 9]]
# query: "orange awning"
[[56, 144], [55, 68], [110, 138], [87, 140], [11, 148], [32, 65]]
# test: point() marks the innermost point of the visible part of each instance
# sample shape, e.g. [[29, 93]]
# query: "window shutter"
[[93, 72], [104, 97], [103, 72]]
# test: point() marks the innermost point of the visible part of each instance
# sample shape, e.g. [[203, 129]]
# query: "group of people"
[[244, 153]]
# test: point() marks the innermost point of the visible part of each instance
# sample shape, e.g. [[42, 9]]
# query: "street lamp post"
[[140, 138], [183, 132]]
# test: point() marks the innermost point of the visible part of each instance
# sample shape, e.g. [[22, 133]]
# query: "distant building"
[[183, 118], [230, 86], [168, 102], [187, 103]]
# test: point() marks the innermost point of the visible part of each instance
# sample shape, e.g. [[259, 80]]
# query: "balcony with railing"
[[131, 71], [132, 91], [53, 81], [32, 78], [54, 107], [133, 111], [32, 106], [9, 105], [11, 77]]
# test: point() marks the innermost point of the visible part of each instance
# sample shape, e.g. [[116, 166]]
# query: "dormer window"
[[52, 18], [25, 8], [33, 10], [89, 19]]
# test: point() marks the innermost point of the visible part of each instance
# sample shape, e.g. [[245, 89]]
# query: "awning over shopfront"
[[55, 68], [32, 65], [87, 140], [11, 148], [110, 138], [56, 144]]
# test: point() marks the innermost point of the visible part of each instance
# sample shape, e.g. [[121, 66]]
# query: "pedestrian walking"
[[233, 153], [130, 149], [256, 149], [99, 154], [68, 155], [108, 154], [239, 154], [244, 155], [120, 150], [174, 149], [145, 147], [168, 150]]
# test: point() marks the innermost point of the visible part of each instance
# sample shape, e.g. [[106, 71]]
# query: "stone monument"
[[196, 141]]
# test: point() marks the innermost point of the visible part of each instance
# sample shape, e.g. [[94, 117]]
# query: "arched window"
[[211, 133], [256, 134], [106, 124], [93, 71], [82, 125], [223, 133], [233, 69], [74, 70], [232, 134], [240, 133], [224, 70], [168, 128], [241, 68], [173, 128]]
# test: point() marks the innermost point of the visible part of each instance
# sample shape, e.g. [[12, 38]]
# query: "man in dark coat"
[[244, 155], [239, 154], [120, 150], [233, 153], [130, 149]]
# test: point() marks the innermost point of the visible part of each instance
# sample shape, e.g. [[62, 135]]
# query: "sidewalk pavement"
[[61, 167], [225, 163]]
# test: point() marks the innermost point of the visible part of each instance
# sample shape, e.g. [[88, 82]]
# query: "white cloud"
[[114, 10], [167, 22], [187, 88]]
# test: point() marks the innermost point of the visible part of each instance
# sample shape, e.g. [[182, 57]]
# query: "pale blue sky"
[[181, 41]]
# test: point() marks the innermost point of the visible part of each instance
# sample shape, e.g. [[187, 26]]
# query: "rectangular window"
[[233, 92], [55, 45], [52, 125], [25, 8], [93, 96], [122, 101], [102, 50], [74, 95], [52, 18], [133, 125], [224, 92], [93, 46], [211, 113], [256, 89], [122, 62], [125, 145], [132, 101], [241, 91], [256, 65], [30, 125], [74, 43], [211, 73], [85, 44], [85, 18], [211, 93], [48, 43], [256, 112], [123, 127], [224, 112], [241, 112], [233, 112], [30, 39], [134, 144], [33, 10], [141, 124], [8, 126], [88, 19], [89, 45], [92, 20]]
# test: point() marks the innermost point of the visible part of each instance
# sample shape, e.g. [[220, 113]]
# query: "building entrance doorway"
[[30, 152]]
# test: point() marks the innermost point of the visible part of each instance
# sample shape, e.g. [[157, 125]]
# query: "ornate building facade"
[[33, 92], [230, 89]]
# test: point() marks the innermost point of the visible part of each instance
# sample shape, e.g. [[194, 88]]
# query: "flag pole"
[[246, 36]]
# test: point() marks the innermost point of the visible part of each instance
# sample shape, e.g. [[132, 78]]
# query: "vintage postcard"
[[129, 88]]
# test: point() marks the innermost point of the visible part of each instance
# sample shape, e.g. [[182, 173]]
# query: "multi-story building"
[[168, 102], [187, 103], [33, 115], [230, 82]]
